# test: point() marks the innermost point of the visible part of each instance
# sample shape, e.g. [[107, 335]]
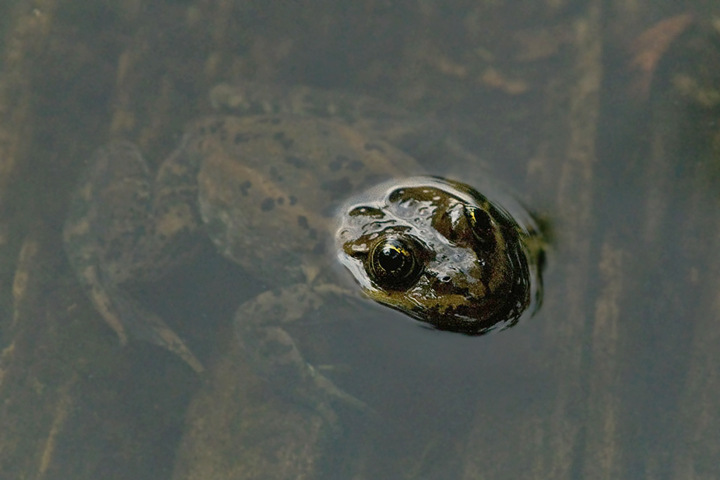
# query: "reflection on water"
[[615, 377]]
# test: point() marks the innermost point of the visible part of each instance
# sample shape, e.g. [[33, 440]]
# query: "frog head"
[[439, 251]]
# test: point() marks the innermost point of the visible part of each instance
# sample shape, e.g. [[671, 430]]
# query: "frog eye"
[[481, 224], [394, 264]]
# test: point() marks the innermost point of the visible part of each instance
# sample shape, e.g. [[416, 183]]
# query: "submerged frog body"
[[265, 188]]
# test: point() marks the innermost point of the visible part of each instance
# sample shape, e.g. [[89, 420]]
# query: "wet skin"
[[268, 190], [439, 251]]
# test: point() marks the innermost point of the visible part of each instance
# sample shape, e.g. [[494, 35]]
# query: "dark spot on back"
[[296, 162], [293, 199], [280, 200], [245, 186], [267, 205], [283, 140], [302, 221]]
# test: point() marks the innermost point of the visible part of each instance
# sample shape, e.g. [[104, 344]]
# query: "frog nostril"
[[444, 285]]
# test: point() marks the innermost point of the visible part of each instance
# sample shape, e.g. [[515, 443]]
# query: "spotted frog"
[[441, 252], [270, 188]]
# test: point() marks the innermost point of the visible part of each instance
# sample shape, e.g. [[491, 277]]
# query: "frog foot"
[[274, 355], [128, 318], [147, 326], [325, 385], [113, 234]]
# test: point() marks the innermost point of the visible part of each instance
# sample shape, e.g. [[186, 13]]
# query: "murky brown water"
[[615, 377]]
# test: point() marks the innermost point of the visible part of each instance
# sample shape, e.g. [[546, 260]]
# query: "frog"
[[441, 252], [269, 186]]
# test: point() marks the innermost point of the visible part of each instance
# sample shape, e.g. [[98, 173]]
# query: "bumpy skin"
[[265, 188], [124, 225], [471, 268]]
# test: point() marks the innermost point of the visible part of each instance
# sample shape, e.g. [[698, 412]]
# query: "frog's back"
[[270, 184]]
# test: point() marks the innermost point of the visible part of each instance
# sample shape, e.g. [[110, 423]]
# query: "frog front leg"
[[260, 328], [125, 225]]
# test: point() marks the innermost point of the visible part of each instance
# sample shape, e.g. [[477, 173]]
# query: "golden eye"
[[394, 264]]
